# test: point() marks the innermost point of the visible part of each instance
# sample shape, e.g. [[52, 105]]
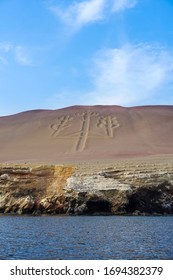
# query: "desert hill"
[[86, 133]]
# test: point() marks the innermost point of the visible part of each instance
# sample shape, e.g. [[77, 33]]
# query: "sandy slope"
[[86, 133]]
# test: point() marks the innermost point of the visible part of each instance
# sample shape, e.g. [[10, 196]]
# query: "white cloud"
[[22, 56], [3, 60], [5, 46], [120, 5], [131, 75], [79, 14]]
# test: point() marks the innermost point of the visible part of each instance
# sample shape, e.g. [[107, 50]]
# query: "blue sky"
[[58, 53]]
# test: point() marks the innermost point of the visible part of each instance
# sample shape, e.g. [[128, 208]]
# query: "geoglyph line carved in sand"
[[109, 123], [83, 134], [62, 123], [106, 123]]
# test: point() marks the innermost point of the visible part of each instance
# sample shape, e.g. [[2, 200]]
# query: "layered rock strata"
[[137, 188]]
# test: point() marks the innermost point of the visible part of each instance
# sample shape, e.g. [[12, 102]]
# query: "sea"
[[86, 237]]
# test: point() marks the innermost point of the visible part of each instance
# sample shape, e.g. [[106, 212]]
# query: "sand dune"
[[86, 133]]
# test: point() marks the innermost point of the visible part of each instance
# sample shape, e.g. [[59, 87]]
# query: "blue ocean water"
[[86, 237]]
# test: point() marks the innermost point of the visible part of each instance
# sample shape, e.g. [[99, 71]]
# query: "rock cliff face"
[[33, 189], [136, 188]]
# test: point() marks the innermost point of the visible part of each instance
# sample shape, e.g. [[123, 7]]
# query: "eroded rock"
[[137, 189]]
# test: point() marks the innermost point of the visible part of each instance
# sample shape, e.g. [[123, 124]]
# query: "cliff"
[[125, 187]]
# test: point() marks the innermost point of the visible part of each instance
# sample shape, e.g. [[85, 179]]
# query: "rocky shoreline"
[[123, 188]]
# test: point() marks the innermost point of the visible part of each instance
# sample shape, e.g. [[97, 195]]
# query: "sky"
[[60, 53]]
